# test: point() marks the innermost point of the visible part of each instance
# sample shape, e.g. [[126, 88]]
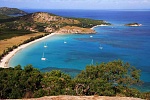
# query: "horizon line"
[[86, 9], [73, 8]]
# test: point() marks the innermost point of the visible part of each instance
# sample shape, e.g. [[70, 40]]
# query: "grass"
[[4, 44], [7, 34]]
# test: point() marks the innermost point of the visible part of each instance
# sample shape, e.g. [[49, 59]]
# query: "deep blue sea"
[[130, 44]]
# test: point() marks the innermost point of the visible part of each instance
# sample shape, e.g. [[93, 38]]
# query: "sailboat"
[[100, 47], [92, 62], [45, 46], [91, 36], [65, 42], [43, 58]]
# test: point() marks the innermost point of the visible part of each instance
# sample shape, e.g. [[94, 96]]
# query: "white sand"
[[5, 60], [98, 26]]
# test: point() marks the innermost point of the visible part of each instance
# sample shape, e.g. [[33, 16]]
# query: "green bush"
[[106, 79]]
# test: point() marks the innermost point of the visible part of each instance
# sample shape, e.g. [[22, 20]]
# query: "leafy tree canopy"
[[106, 79], [112, 78]]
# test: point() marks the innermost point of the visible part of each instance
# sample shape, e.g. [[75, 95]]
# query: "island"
[[133, 24]]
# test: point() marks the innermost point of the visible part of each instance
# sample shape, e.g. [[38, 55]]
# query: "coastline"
[[5, 59], [98, 26], [75, 30]]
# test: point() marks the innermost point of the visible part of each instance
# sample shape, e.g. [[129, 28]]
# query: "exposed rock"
[[66, 97], [44, 17], [75, 30], [49, 30]]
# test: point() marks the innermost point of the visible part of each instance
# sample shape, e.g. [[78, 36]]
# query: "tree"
[[9, 83], [106, 79], [30, 80], [17, 82], [55, 82], [110, 78]]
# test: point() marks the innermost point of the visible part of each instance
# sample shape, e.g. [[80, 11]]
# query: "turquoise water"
[[130, 44]]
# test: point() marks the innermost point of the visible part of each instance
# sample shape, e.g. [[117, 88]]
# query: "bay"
[[130, 44]]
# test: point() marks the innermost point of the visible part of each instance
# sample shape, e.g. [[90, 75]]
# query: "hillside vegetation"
[[2, 17], [133, 24], [105, 79], [11, 11], [41, 22]]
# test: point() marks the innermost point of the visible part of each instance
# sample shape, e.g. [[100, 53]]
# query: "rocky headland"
[[47, 22]]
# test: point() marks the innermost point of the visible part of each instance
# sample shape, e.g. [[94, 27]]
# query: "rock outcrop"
[[43, 17], [49, 30], [67, 97]]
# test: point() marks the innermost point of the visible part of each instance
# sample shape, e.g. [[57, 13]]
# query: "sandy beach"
[[5, 60], [98, 26]]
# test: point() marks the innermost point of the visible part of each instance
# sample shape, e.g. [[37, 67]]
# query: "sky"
[[76, 4]]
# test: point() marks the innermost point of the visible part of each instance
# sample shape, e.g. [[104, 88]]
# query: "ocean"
[[72, 52]]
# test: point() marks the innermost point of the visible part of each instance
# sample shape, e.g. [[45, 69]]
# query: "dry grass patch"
[[4, 44]]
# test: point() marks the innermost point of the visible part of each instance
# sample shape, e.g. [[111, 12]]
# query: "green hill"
[[43, 22], [4, 16], [11, 11]]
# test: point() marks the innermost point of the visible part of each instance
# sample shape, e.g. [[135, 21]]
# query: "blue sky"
[[76, 4]]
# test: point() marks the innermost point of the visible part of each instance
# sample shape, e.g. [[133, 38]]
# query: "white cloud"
[[146, 1]]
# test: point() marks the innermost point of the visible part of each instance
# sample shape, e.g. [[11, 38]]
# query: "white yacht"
[[45, 45], [65, 42], [100, 47], [43, 58], [92, 62]]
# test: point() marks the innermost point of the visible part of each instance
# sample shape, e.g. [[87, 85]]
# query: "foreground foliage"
[[107, 79]]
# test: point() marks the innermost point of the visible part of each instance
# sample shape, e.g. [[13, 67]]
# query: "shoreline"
[[98, 26], [5, 59]]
